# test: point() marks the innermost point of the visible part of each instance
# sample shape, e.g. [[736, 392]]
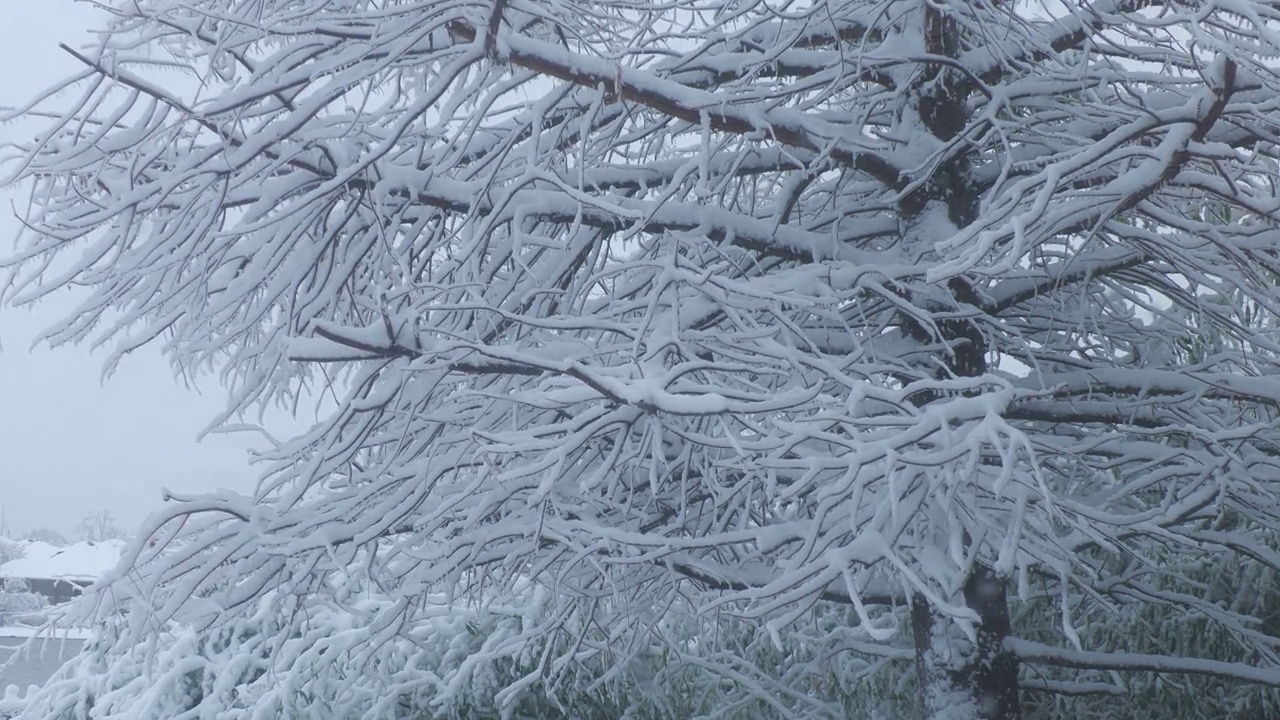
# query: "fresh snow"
[[81, 561], [18, 632], [715, 335]]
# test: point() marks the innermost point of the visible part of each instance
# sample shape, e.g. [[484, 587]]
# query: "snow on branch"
[[1085, 660], [693, 106], [686, 342]]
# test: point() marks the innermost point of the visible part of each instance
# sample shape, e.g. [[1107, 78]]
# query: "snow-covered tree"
[[11, 550], [761, 349], [48, 535], [18, 604], [98, 526]]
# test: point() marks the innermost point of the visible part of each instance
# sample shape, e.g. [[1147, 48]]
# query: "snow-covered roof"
[[81, 561]]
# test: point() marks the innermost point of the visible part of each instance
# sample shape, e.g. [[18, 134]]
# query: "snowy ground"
[[34, 666], [20, 668], [21, 633]]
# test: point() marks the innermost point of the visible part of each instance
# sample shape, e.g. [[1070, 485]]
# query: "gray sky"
[[71, 444]]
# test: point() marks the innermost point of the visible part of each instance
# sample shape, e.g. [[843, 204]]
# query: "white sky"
[[71, 444]]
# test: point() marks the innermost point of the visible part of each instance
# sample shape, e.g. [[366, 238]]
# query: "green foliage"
[[1222, 609]]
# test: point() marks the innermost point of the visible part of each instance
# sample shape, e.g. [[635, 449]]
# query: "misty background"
[[74, 443]]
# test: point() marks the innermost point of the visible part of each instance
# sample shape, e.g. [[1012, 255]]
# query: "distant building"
[[60, 574], [55, 590]]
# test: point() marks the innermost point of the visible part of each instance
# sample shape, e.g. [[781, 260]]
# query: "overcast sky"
[[71, 443]]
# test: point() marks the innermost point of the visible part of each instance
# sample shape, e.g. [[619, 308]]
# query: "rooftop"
[[85, 561]]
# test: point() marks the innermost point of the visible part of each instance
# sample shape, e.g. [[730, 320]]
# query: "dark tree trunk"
[[991, 671], [951, 670]]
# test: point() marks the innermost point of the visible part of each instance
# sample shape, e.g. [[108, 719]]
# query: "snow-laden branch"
[[824, 324], [698, 107], [1087, 660]]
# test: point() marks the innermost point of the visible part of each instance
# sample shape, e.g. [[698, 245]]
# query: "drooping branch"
[[1034, 652]]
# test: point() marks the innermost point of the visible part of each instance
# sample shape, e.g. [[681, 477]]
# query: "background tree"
[[755, 350], [98, 526], [48, 535], [10, 550]]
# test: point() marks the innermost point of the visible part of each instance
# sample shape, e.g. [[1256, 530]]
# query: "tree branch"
[[690, 105], [1034, 652]]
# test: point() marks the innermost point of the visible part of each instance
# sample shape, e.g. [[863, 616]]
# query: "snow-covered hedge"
[[13, 700], [20, 606], [376, 660]]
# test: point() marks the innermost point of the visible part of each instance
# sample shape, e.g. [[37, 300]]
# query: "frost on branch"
[[773, 347]]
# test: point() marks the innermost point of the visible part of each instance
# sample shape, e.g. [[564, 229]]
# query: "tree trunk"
[[960, 680]]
